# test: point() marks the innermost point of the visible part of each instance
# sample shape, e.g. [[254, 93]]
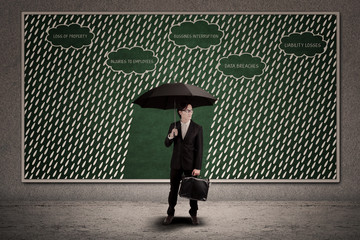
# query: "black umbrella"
[[168, 95]]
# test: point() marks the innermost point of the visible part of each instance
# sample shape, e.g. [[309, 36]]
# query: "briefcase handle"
[[195, 177]]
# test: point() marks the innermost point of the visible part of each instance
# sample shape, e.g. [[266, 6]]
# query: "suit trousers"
[[175, 178]]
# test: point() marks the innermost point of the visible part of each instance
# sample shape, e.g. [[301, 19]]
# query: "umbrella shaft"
[[174, 113]]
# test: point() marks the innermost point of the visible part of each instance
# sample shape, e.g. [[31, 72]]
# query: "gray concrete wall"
[[12, 188]]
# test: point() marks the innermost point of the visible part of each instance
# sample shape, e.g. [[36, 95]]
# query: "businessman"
[[187, 138]]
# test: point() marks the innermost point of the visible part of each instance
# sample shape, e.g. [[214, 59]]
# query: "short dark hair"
[[181, 107]]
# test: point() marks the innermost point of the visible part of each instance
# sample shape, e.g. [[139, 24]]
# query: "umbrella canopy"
[[168, 95]]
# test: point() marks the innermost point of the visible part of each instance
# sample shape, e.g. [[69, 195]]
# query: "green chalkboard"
[[275, 75]]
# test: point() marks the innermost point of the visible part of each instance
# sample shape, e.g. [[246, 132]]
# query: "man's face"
[[186, 113]]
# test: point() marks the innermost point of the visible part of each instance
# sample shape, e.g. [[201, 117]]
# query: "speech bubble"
[[70, 36], [303, 44], [244, 65], [134, 60], [199, 34]]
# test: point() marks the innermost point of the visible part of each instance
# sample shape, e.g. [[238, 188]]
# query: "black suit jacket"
[[187, 153]]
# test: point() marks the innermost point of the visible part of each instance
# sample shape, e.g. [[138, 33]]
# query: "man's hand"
[[173, 133], [196, 172]]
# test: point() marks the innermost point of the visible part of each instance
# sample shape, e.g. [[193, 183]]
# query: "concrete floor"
[[143, 220]]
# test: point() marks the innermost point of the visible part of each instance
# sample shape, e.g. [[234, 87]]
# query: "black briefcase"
[[194, 188]]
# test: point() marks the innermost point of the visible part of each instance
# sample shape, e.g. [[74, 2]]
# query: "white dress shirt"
[[184, 128]]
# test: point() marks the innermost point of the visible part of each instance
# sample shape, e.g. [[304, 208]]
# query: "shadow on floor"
[[178, 222]]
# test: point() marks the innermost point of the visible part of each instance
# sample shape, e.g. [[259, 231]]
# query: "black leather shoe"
[[194, 220], [168, 220]]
